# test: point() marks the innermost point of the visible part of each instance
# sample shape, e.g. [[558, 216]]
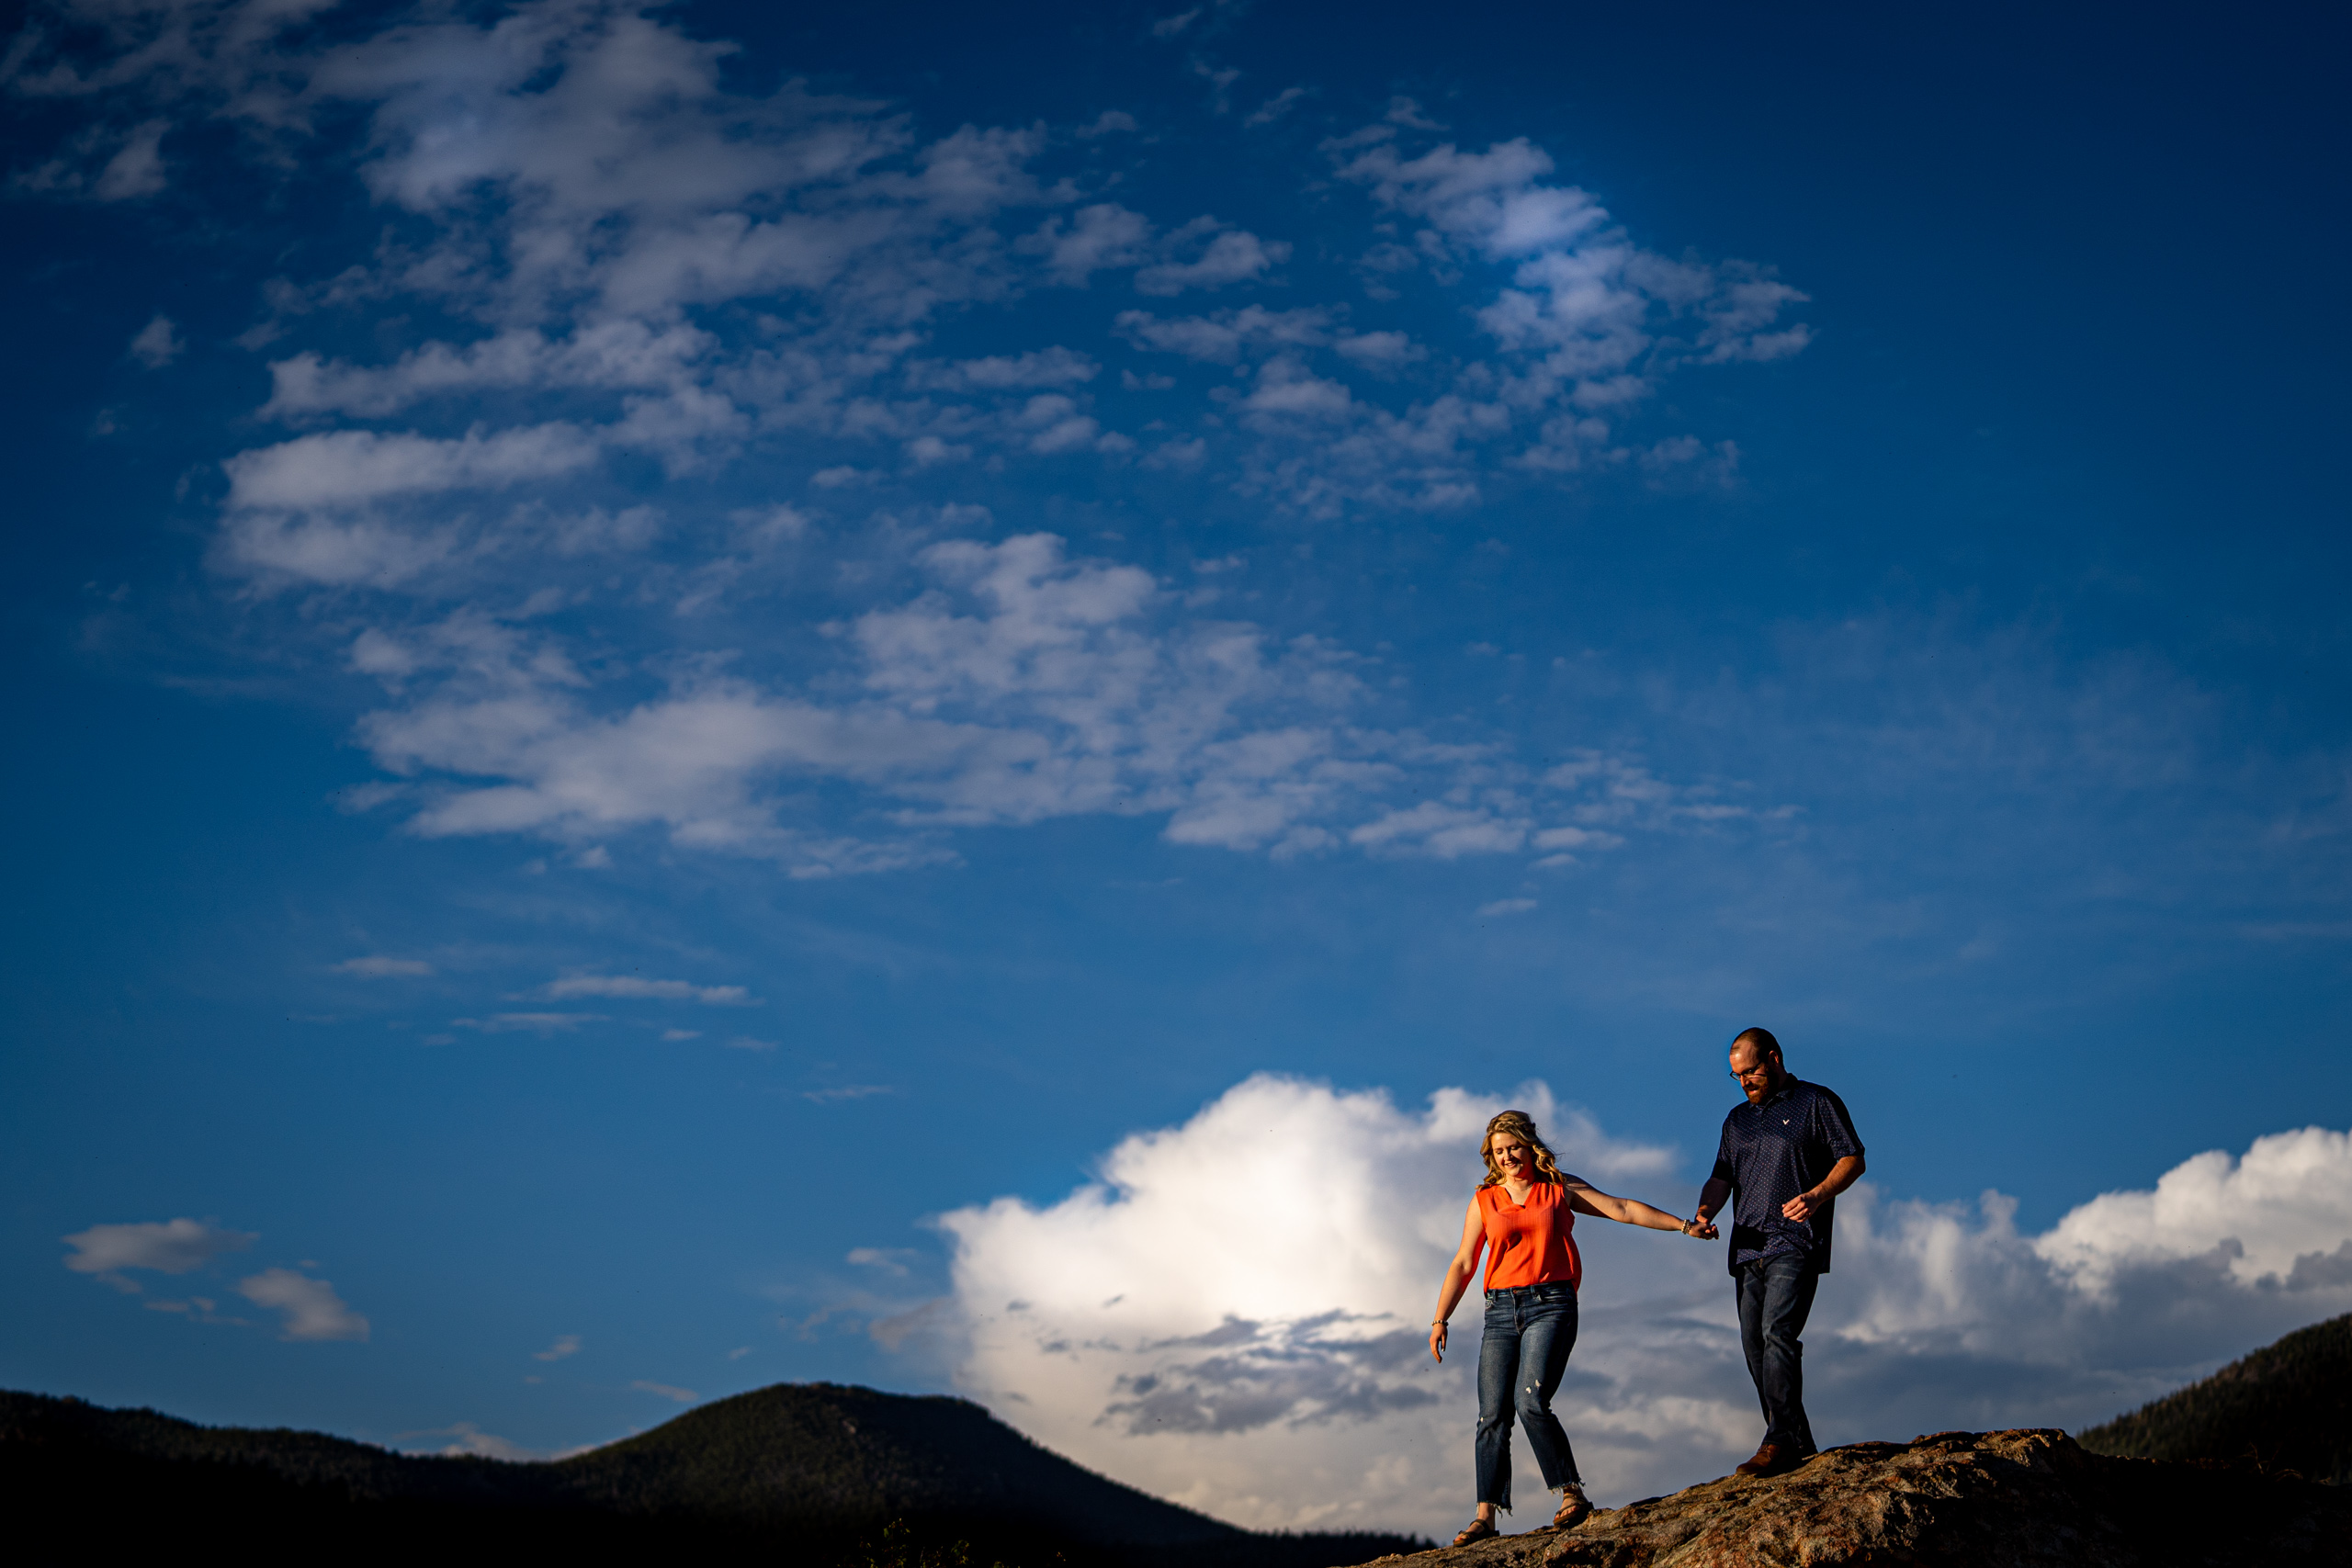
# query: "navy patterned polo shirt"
[[1772, 1152]]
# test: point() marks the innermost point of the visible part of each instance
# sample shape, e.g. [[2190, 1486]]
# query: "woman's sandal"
[[1574, 1508], [1480, 1530]]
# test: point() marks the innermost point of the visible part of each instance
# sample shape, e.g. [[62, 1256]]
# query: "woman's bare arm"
[[1458, 1277], [1587, 1199]]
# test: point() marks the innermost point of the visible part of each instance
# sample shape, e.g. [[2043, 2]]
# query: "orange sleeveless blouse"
[[1531, 1244]]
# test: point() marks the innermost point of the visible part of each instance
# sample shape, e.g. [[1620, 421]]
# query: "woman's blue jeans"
[[1530, 1331]]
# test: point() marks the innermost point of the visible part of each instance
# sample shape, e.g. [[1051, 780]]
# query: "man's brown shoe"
[[1770, 1459]]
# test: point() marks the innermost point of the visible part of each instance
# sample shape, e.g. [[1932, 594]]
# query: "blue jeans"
[[1530, 1331], [1775, 1298]]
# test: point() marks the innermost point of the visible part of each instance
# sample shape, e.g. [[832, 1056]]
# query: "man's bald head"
[[1756, 1062]]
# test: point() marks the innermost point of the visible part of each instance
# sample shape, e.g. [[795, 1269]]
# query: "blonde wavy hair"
[[1520, 1125]]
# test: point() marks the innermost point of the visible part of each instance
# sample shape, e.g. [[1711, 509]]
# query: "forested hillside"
[[2287, 1407], [815, 1469]]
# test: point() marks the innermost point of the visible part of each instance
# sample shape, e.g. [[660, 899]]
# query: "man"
[[1785, 1156]]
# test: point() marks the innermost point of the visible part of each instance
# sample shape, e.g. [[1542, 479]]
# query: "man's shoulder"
[[1818, 1093]]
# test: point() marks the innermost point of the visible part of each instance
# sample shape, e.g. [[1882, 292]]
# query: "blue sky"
[[652, 649]]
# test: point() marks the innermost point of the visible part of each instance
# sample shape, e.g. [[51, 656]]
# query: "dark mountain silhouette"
[[816, 1471], [2286, 1407]]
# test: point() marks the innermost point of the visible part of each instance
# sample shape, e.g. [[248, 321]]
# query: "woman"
[[1524, 1215]]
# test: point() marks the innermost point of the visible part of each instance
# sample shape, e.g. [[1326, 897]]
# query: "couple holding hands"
[[1784, 1157]]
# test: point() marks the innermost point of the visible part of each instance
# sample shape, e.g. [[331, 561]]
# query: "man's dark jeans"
[[1775, 1298], [1529, 1331]]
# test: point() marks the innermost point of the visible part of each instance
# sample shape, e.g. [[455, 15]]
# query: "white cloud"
[[1494, 201], [1226, 336], [1441, 830], [1093, 239], [1385, 350], [667, 1391], [1273, 109], [137, 169], [1264, 1364], [157, 344], [2267, 1210], [627, 260], [1054, 367], [169, 1247], [632, 986], [618, 354], [378, 967], [1162, 1321], [565, 1344], [349, 469], [1507, 906], [1222, 256], [891, 1260], [313, 1312], [530, 1022], [1021, 685], [846, 1091], [466, 1440]]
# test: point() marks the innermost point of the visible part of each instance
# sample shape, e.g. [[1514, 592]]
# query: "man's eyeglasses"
[[1759, 1070]]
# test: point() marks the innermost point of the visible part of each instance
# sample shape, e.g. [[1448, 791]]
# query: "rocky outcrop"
[[2020, 1499]]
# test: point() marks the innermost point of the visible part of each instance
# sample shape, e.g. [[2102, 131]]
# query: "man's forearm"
[[1844, 1174], [1712, 1196]]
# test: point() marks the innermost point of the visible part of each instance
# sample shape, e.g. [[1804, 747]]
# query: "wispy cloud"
[[846, 1091], [378, 968], [167, 1246], [312, 1311], [666, 1391], [530, 1023], [634, 986], [464, 1439]]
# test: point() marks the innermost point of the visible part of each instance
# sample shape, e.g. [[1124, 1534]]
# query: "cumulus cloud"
[[168, 1247], [312, 1311], [1187, 1337], [1266, 1362]]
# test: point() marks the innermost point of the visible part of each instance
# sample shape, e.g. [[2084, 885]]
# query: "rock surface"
[[2017, 1499]]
